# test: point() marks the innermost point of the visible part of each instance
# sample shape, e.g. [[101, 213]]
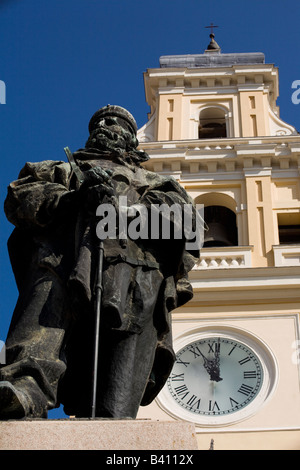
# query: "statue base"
[[97, 434]]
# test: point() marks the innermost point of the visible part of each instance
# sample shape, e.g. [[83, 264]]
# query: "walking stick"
[[98, 290]]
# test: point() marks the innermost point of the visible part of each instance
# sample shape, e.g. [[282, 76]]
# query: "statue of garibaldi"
[[54, 251]]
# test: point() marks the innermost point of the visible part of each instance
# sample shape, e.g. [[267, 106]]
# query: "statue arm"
[[167, 193], [165, 190], [33, 198]]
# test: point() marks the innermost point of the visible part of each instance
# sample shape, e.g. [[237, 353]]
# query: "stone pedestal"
[[98, 434]]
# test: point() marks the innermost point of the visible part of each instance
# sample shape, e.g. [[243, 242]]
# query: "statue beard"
[[122, 145], [104, 139]]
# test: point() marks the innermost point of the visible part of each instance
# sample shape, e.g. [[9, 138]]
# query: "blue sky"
[[61, 60]]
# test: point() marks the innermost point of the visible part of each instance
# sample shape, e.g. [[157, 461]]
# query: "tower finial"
[[213, 45], [212, 26]]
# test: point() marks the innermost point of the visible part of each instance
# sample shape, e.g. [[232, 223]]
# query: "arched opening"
[[222, 227], [212, 123]]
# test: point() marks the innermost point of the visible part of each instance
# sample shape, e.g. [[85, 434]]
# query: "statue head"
[[112, 128]]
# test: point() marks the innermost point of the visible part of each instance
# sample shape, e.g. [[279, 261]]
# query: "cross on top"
[[212, 26]]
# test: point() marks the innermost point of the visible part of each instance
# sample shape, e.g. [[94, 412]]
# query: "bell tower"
[[214, 126], [213, 95]]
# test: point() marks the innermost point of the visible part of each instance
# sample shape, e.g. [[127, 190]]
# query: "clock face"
[[215, 376]]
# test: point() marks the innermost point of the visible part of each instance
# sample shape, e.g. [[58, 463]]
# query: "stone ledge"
[[73, 434]]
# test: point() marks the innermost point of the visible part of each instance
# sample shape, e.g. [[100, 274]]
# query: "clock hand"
[[215, 372], [212, 367], [207, 363], [215, 369]]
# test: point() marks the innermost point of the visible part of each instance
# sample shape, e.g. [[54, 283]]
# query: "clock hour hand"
[[212, 368], [215, 371]]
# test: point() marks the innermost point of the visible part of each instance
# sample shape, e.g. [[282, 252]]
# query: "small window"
[[289, 228], [289, 234], [212, 124]]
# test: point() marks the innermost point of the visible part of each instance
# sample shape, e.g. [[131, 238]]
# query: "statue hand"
[[96, 189], [96, 176], [95, 195]]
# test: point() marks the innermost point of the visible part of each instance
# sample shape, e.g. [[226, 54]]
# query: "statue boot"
[[15, 403]]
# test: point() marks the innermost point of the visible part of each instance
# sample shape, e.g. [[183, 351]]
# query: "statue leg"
[[126, 364], [29, 380], [127, 354]]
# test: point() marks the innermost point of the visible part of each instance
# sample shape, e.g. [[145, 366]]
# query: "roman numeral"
[[182, 390], [177, 377], [195, 351], [243, 361], [245, 389], [194, 402], [214, 348], [212, 406], [233, 403], [250, 374], [180, 361], [231, 350]]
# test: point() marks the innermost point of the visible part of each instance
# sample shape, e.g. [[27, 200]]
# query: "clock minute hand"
[[216, 367], [207, 363]]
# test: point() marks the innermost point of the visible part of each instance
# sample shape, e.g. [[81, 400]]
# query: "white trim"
[[287, 255]]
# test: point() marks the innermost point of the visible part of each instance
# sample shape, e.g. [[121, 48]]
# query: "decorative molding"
[[225, 258], [287, 255], [255, 157]]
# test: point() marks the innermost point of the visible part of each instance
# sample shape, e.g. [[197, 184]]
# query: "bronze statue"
[[54, 251]]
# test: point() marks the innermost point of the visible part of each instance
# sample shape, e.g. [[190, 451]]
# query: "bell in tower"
[[222, 230]]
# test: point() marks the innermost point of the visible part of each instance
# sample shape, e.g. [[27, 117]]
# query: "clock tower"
[[214, 126]]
